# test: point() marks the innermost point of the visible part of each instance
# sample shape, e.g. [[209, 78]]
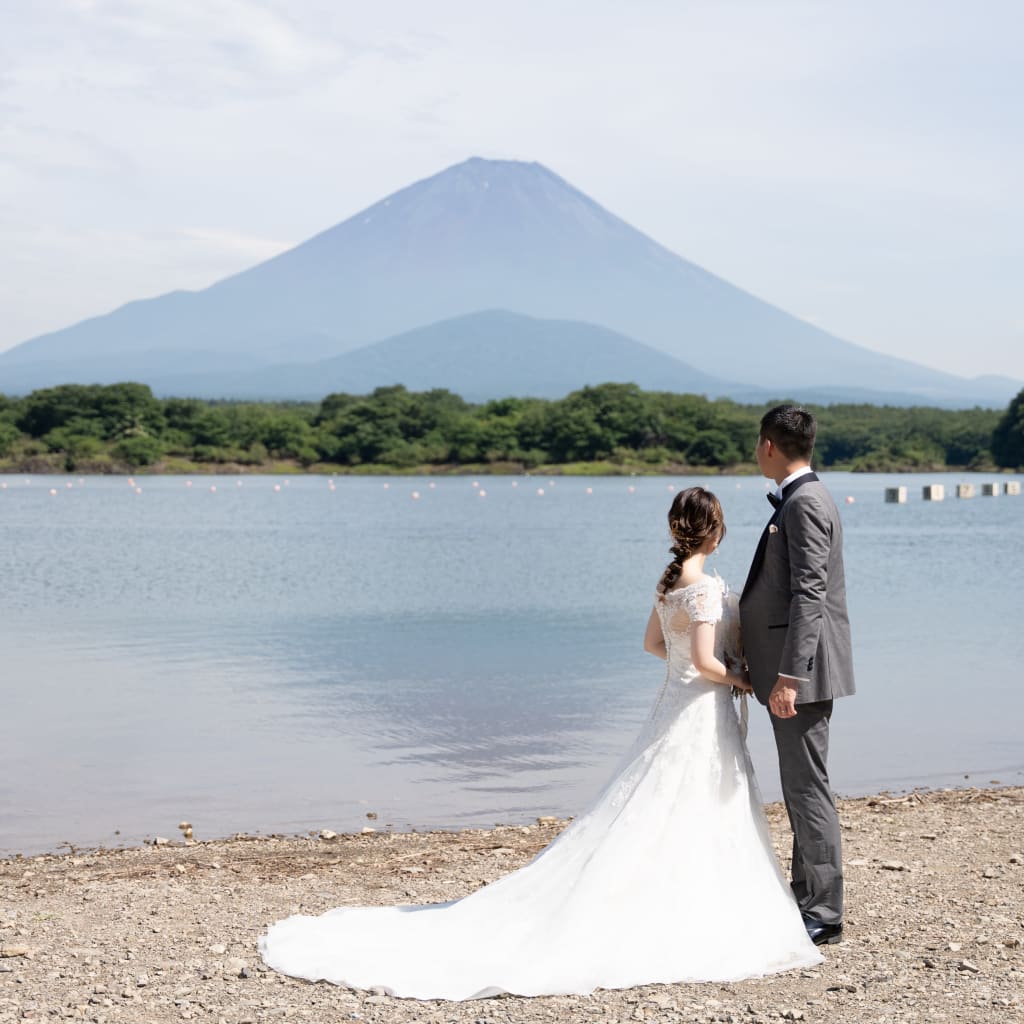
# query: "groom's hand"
[[782, 699]]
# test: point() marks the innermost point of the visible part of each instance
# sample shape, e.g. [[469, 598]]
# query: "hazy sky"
[[858, 163]]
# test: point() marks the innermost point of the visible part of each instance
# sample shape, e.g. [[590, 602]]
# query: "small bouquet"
[[732, 651], [732, 638]]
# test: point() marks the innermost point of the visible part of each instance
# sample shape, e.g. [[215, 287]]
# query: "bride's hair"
[[694, 516]]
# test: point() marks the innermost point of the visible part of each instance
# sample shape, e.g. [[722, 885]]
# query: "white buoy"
[[540, 491], [416, 495]]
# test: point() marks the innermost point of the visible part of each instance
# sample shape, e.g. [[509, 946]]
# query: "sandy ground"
[[934, 929]]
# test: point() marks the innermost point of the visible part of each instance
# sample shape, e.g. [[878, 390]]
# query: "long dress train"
[[669, 877]]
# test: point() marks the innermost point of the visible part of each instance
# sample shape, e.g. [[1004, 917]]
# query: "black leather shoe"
[[822, 934]]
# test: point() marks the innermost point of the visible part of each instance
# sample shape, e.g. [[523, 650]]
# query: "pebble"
[[218, 949], [234, 966], [893, 865], [328, 834]]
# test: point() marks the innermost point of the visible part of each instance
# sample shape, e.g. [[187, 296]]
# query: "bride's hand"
[[741, 683]]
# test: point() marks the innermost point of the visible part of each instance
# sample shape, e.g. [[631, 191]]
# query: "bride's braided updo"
[[695, 516]]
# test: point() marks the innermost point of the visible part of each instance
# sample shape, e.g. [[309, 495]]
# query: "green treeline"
[[607, 428]]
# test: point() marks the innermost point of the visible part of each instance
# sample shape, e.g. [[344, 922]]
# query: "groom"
[[796, 635]]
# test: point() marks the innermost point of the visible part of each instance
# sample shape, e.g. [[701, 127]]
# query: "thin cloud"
[[232, 243]]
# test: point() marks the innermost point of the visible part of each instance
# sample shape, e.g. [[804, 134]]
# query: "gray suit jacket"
[[793, 607]]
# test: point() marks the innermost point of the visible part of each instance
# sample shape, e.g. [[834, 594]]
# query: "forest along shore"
[[934, 929]]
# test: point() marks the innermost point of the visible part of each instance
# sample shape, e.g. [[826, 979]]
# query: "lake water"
[[279, 655]]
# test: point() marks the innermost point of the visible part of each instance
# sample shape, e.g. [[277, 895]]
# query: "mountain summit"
[[482, 235]]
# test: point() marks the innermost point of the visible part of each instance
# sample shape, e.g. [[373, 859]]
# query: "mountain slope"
[[481, 235], [480, 356]]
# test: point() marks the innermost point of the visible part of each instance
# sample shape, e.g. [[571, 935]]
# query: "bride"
[[669, 877]]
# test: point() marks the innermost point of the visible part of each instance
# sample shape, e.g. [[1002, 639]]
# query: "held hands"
[[782, 699]]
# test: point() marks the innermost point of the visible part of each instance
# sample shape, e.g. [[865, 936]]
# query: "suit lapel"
[[762, 544]]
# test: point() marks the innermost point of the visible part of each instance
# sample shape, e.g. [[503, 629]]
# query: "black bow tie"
[[775, 500]]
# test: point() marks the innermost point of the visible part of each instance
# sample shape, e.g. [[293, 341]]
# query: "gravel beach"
[[167, 932]]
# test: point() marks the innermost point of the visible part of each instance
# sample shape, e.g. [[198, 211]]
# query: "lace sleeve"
[[703, 602]]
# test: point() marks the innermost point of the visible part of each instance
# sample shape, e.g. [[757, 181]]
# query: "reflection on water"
[[279, 661]]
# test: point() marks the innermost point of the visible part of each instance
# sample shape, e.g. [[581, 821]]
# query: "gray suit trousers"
[[817, 869]]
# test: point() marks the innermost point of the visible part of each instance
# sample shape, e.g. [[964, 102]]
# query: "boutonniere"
[[773, 528]]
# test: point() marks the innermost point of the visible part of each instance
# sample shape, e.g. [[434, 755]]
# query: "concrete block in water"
[[896, 495], [933, 492]]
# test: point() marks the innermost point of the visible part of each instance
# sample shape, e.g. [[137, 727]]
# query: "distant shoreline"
[[570, 469]]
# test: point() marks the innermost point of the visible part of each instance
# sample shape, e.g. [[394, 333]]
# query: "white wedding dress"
[[669, 877]]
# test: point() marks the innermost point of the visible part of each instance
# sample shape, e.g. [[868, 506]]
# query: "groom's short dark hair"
[[791, 429]]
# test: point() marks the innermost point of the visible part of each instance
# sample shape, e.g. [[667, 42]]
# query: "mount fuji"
[[486, 257]]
